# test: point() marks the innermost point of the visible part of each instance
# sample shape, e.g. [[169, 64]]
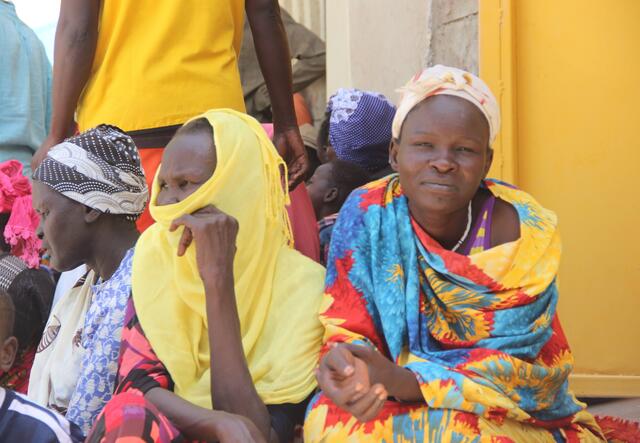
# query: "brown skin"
[[75, 45], [74, 234], [442, 156], [322, 193], [188, 161], [8, 343]]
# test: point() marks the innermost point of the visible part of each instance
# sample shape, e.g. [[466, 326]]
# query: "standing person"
[[307, 50], [88, 191], [25, 88], [148, 66]]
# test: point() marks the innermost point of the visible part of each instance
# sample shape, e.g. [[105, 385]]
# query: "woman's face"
[[64, 228], [442, 155], [187, 163]]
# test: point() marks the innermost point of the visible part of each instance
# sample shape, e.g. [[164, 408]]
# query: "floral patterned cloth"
[[101, 340], [480, 332]]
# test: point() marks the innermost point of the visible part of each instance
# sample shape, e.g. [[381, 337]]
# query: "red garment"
[[150, 158], [303, 223]]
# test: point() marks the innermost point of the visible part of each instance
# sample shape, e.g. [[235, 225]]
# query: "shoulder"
[[505, 225]]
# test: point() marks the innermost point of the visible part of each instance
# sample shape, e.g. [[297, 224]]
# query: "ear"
[[330, 195], [91, 215], [8, 353], [393, 154], [488, 162]]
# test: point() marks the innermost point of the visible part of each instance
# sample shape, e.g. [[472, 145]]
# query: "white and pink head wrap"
[[445, 80]]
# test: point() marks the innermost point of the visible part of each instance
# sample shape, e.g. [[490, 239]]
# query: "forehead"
[[447, 113], [188, 152], [43, 194]]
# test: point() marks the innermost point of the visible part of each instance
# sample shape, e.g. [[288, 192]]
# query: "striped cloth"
[[23, 420]]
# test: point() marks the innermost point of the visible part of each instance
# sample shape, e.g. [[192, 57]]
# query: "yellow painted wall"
[[567, 74]]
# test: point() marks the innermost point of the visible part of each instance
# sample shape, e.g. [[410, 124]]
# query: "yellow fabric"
[[159, 63], [278, 291]]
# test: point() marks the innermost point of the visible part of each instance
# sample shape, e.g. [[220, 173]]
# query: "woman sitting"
[[440, 305], [89, 191], [223, 334]]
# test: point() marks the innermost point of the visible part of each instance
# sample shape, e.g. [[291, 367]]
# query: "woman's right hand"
[[231, 428], [214, 234], [344, 378]]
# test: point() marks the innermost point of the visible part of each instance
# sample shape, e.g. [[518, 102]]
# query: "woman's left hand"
[[214, 234]]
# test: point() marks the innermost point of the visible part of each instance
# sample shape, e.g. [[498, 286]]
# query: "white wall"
[[375, 44]]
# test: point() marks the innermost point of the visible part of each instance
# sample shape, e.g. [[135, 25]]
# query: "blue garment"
[[23, 420], [101, 340], [25, 85], [360, 127]]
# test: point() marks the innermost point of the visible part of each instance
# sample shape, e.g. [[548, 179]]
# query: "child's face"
[[8, 343], [319, 188]]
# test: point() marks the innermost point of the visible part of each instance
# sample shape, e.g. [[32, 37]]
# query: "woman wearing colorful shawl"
[[222, 335], [89, 191], [440, 307]]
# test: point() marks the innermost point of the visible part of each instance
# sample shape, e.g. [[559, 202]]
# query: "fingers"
[[360, 351], [340, 360], [369, 405], [185, 241]]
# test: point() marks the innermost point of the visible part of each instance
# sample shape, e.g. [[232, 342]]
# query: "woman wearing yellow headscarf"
[[222, 335]]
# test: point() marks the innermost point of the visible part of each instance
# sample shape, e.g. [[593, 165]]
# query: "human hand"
[[345, 379], [231, 428], [291, 148], [214, 234], [380, 368]]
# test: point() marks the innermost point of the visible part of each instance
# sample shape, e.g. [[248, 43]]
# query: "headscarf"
[[99, 168], [278, 291], [15, 199], [445, 80], [360, 127]]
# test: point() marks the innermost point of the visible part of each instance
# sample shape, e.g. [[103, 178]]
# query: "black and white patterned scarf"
[[99, 168], [10, 268]]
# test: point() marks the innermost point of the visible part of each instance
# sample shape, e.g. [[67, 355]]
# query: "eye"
[[465, 149], [163, 185], [183, 184]]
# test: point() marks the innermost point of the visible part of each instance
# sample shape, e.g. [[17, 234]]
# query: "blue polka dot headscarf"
[[360, 127], [99, 168]]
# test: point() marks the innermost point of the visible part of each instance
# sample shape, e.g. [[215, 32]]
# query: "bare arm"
[[214, 234], [272, 49], [197, 423], [75, 44]]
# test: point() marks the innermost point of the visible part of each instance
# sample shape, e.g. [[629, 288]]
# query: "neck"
[[110, 248], [445, 228]]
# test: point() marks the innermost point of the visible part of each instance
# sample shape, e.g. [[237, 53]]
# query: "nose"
[[442, 162], [40, 231]]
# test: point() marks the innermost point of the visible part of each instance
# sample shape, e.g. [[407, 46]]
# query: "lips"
[[439, 186]]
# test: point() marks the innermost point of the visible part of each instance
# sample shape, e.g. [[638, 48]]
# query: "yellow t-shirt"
[[160, 62]]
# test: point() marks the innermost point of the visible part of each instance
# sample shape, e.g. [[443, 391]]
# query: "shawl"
[[278, 291]]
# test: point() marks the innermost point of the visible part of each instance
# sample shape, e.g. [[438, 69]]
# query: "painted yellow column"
[[567, 77]]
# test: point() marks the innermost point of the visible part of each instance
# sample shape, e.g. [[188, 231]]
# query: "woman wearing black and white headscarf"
[[89, 191]]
